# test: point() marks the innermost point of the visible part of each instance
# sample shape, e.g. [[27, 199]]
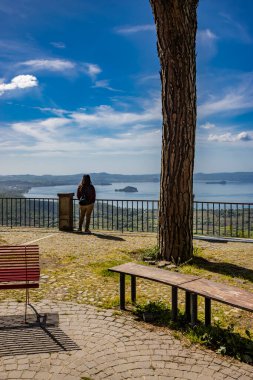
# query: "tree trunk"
[[176, 24]]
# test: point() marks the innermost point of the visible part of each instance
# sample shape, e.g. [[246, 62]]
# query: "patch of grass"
[[224, 341], [111, 303], [101, 268], [117, 312], [69, 259], [151, 253]]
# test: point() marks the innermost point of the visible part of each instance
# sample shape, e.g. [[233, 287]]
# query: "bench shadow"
[[108, 237], [20, 338], [227, 269]]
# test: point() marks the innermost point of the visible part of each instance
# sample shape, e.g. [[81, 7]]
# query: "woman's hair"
[[85, 180]]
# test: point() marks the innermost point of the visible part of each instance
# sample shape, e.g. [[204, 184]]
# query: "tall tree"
[[176, 25]]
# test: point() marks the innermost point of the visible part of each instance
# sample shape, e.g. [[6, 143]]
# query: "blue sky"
[[80, 87]]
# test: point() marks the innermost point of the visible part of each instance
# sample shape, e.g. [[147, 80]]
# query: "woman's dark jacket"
[[87, 191]]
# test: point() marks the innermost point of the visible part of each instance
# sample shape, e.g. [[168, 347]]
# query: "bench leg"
[[122, 291], [26, 303], [194, 309], [207, 311], [174, 304], [187, 306], [133, 289]]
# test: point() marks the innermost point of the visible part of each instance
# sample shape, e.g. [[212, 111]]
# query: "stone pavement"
[[101, 345]]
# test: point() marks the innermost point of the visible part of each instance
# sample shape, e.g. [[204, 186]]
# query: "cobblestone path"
[[101, 345]]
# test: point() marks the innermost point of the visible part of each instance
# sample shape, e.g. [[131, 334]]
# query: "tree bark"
[[176, 24]]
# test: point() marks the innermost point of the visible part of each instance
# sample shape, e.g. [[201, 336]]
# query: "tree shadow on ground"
[[227, 269], [100, 236]]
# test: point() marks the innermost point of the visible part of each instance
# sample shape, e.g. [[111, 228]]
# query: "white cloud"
[[206, 35], [63, 66], [151, 77], [207, 125], [55, 111], [231, 138], [19, 82], [89, 132], [49, 64], [236, 100], [206, 43], [58, 45], [234, 29], [108, 117], [245, 136], [104, 84], [135, 29], [50, 124], [92, 70]]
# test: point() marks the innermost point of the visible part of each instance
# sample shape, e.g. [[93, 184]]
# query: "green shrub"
[[158, 309], [224, 341], [150, 253]]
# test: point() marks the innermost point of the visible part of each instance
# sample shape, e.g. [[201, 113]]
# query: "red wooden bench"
[[20, 269]]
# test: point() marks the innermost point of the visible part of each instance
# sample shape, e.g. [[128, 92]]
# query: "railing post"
[[66, 211]]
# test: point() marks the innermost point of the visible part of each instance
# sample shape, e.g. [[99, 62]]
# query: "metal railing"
[[122, 215], [209, 218], [223, 219], [29, 212]]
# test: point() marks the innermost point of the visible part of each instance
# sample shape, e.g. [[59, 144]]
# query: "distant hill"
[[74, 179], [233, 177], [17, 185], [104, 178], [20, 184]]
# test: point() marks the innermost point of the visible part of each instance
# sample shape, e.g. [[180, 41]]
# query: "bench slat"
[[19, 286], [228, 294], [155, 274], [34, 276], [20, 249], [19, 265]]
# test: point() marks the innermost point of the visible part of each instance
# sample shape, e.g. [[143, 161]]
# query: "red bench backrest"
[[19, 263]]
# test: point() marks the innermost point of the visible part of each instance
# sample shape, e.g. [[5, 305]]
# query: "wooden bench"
[[20, 269], [192, 285]]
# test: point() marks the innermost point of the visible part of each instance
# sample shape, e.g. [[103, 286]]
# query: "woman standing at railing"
[[87, 195]]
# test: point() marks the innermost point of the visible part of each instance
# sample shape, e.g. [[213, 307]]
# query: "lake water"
[[230, 192]]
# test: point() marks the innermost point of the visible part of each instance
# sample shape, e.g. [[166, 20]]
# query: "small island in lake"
[[216, 183], [128, 189]]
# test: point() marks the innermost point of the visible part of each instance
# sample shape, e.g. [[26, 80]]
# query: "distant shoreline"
[[20, 185]]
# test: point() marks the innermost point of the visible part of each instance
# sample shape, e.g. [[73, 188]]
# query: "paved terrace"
[[83, 341], [101, 345]]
